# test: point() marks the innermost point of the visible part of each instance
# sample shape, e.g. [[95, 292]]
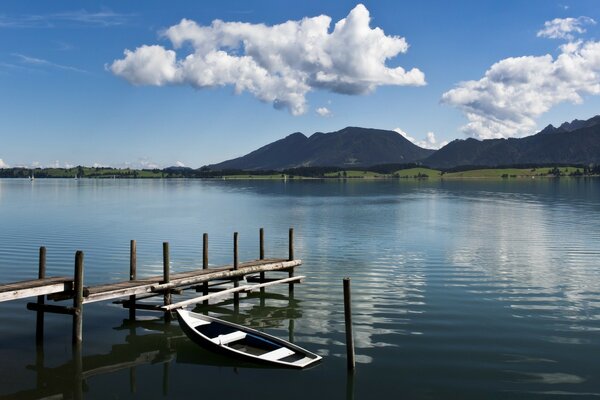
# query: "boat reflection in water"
[[150, 341]]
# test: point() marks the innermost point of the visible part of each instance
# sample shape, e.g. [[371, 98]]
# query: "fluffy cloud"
[[564, 28], [430, 141], [3, 164], [323, 111], [516, 90], [179, 164], [279, 64]]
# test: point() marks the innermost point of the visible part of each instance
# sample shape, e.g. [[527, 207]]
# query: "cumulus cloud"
[[516, 90], [179, 164], [278, 64], [323, 111], [3, 164], [430, 141], [565, 28]]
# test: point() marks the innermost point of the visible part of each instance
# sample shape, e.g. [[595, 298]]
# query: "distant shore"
[[308, 173]]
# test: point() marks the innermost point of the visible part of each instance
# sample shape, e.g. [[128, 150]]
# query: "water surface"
[[464, 289]]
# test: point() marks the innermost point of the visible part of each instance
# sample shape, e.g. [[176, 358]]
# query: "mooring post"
[[291, 257], [348, 320], [39, 323], [78, 299], [132, 276], [205, 261], [166, 273], [261, 234], [236, 295]]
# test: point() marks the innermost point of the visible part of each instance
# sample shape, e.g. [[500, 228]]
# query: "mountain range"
[[575, 142]]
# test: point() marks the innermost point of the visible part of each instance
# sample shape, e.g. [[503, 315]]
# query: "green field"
[[507, 172], [355, 174], [418, 173]]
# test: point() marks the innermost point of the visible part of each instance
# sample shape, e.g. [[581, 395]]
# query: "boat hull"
[[243, 343]]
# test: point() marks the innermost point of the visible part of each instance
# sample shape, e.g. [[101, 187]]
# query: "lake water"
[[461, 289]]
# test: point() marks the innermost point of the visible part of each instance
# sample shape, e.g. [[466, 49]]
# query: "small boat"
[[242, 342]]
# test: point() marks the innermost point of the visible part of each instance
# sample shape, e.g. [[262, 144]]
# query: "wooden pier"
[[132, 293]]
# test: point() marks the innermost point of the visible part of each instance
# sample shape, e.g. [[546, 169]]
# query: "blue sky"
[[69, 95]]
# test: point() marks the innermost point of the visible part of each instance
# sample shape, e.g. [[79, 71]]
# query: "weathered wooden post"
[[261, 234], [236, 295], [132, 276], [166, 273], [39, 323], [348, 320], [205, 261], [78, 299], [290, 258]]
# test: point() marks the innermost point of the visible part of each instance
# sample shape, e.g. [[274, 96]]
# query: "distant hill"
[[350, 147], [577, 142]]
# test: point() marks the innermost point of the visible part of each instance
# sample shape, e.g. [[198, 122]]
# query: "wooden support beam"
[[39, 322], [348, 320], [234, 290], [132, 274], [50, 308], [262, 253], [196, 300], [205, 261], [291, 257], [142, 306], [78, 300], [291, 281], [166, 272], [236, 266]]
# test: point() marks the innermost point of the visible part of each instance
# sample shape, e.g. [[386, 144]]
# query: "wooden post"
[[39, 323], [205, 261], [348, 320], [132, 275], [291, 257], [78, 372], [236, 283], [78, 299], [262, 255], [262, 243], [166, 272], [291, 244]]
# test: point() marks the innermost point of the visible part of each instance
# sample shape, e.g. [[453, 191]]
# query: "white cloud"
[[430, 142], [323, 111], [3, 164], [279, 64], [564, 28], [179, 164], [516, 90]]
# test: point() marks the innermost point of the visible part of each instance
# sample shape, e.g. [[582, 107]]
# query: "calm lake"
[[461, 289]]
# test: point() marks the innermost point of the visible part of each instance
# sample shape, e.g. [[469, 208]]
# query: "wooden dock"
[[131, 293]]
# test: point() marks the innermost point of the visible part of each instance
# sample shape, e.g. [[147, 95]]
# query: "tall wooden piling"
[[290, 258], [78, 299], [166, 273], [132, 275], [205, 261], [39, 323], [261, 254], [348, 320], [236, 265]]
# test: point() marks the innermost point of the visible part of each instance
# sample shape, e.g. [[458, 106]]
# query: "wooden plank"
[[43, 288], [33, 283], [118, 292], [285, 280]]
